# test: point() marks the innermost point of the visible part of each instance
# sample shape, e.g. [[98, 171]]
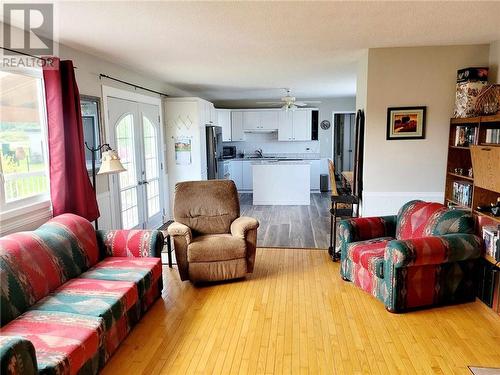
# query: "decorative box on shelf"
[[470, 82]]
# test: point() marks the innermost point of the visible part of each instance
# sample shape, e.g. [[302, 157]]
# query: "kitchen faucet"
[[259, 153]]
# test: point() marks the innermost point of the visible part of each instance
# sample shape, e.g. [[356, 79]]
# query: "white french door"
[[135, 134]]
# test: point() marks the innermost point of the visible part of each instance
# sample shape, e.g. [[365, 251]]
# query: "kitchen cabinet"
[[260, 120], [295, 125], [236, 172], [224, 121], [237, 132], [247, 183], [269, 120], [301, 125], [285, 126], [315, 173]]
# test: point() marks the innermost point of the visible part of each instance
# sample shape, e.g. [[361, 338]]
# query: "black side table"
[[335, 212], [167, 242]]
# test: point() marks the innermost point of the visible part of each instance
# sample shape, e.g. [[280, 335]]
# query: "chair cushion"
[[369, 254], [144, 272], [216, 247], [107, 299], [63, 342]]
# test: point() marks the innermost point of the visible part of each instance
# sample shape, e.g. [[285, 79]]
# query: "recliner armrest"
[[433, 250], [242, 225], [178, 229]]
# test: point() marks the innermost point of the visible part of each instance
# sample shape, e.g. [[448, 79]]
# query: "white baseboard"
[[388, 203]]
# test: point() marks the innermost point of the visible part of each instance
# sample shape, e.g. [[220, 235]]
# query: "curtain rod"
[[48, 58], [131, 84]]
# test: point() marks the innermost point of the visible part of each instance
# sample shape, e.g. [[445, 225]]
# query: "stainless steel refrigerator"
[[214, 152]]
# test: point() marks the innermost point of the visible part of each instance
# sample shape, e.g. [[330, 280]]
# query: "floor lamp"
[[110, 163]]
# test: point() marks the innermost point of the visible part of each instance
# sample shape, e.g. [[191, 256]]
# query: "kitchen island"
[[281, 182]]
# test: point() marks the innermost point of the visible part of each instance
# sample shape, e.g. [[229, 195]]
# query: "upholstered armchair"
[[426, 255], [211, 241]]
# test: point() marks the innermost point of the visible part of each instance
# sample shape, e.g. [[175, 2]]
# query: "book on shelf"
[[462, 193], [490, 237], [465, 135], [492, 136]]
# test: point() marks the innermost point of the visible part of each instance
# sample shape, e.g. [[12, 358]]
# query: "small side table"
[[164, 229], [335, 212]]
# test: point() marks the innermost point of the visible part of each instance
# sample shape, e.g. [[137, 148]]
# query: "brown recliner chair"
[[211, 241]]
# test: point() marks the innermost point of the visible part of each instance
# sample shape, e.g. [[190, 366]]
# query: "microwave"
[[228, 152]]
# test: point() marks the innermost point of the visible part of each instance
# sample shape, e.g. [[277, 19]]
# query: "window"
[[90, 106], [23, 152]]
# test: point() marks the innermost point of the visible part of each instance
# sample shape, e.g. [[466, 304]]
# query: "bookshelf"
[[479, 156]]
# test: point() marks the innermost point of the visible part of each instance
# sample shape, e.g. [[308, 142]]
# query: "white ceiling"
[[243, 50]]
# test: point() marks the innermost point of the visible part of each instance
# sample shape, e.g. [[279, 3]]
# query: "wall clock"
[[325, 124]]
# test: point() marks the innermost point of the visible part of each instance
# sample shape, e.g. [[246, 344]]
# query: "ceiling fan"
[[290, 102]]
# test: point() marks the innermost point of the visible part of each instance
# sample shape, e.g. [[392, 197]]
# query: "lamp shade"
[[110, 163]]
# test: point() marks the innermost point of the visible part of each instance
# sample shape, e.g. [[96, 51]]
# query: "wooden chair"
[[342, 206]]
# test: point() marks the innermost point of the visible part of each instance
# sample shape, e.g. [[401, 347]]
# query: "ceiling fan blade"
[[311, 101], [300, 104], [269, 102]]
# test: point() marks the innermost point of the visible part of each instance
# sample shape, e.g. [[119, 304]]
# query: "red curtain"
[[70, 187]]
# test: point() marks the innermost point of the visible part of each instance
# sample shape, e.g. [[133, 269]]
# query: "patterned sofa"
[[424, 256], [69, 295]]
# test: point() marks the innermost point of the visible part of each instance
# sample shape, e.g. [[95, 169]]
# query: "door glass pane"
[[150, 149], [127, 179], [151, 166], [23, 160]]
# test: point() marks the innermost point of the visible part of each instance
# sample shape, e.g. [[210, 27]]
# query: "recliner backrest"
[[207, 207]]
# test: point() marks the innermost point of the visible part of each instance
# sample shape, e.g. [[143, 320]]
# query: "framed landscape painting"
[[406, 123]]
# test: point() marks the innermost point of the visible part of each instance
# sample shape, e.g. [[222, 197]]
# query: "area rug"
[[484, 370]]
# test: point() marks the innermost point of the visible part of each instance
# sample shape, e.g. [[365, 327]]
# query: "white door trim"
[[107, 92]]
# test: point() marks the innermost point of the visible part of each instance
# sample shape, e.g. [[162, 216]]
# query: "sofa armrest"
[[17, 356], [243, 224], [433, 250], [130, 243]]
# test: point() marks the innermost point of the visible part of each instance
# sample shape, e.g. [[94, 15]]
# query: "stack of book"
[[490, 237], [462, 193], [465, 136], [492, 136]]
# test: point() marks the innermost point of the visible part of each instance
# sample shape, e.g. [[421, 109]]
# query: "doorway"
[[343, 141], [134, 131]]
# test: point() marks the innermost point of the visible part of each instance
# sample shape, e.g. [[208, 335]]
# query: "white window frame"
[[37, 207]]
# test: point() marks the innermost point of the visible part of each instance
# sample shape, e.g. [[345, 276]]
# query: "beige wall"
[[494, 75], [87, 76], [399, 170]]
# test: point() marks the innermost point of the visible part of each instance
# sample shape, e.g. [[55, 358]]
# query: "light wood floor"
[[291, 226], [295, 315]]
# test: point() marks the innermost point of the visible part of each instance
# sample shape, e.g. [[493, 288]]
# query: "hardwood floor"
[[295, 315], [291, 226]]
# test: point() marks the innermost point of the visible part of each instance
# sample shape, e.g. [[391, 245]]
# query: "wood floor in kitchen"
[[291, 226]]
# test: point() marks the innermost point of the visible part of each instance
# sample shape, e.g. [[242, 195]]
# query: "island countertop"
[[281, 183]]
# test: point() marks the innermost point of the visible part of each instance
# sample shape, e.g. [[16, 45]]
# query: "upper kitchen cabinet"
[[269, 120], [295, 125], [301, 120], [237, 132], [260, 120], [224, 120]]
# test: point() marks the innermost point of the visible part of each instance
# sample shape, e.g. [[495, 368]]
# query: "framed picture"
[[406, 122]]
